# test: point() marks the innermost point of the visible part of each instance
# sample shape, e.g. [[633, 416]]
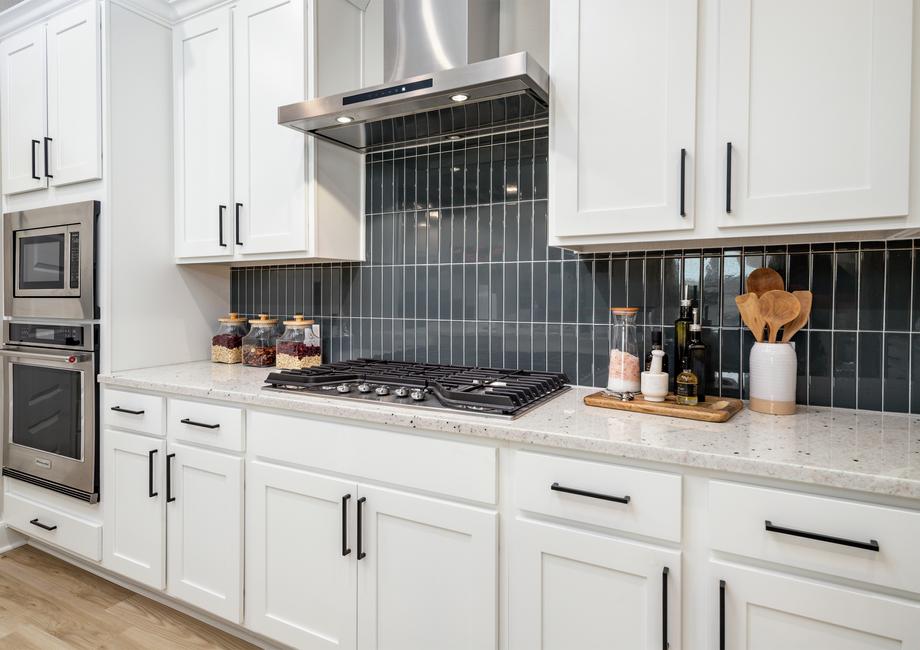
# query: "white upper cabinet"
[[51, 114], [202, 61], [623, 125], [814, 97], [248, 188], [270, 159], [23, 115], [74, 96]]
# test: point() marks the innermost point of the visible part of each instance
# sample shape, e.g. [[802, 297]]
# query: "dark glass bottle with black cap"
[[682, 332], [697, 354], [656, 345]]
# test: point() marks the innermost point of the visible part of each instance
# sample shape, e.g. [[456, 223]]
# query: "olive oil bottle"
[[682, 332], [686, 386], [697, 355]]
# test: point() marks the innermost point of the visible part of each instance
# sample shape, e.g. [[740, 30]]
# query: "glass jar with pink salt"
[[625, 367]]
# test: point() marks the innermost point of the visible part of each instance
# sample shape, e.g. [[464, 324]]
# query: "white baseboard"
[[229, 628], [9, 538]]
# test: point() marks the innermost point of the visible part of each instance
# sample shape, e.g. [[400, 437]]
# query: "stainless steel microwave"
[[49, 262]]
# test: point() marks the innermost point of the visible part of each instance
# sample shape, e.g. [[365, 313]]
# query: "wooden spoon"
[[790, 329], [763, 280], [749, 308], [778, 308]]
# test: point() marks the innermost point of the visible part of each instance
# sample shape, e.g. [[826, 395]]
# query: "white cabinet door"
[[134, 539], [814, 97], [23, 114], [623, 97], [427, 573], [575, 589], [300, 562], [75, 96], [767, 611], [205, 523], [270, 179], [202, 62]]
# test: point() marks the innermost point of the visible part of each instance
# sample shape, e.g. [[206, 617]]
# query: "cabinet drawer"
[[71, 533], [596, 493], [134, 411], [206, 424], [456, 469], [824, 534]]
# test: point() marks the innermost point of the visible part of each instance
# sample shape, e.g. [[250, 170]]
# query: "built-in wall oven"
[[50, 406], [49, 262]]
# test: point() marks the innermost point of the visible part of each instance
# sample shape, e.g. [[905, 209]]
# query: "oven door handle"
[[62, 357]]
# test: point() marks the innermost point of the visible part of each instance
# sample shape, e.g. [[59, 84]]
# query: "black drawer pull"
[[345, 549], [150, 492], [361, 553], [594, 495], [192, 423], [169, 497], [683, 178], [220, 225], [239, 206], [118, 409], [36, 522], [35, 175], [47, 158], [721, 615], [664, 609], [728, 178], [871, 545]]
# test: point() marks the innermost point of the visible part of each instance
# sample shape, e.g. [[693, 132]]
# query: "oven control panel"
[[78, 337], [75, 260]]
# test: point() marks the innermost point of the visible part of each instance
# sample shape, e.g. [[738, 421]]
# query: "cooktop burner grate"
[[491, 391]]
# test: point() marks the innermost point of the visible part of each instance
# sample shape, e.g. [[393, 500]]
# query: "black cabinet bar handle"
[[871, 545], [192, 423], [345, 549], [238, 207], [721, 615], [683, 178], [36, 522], [150, 491], [118, 409], [47, 158], [728, 178], [34, 174], [361, 553], [169, 497], [583, 493], [664, 609], [220, 224]]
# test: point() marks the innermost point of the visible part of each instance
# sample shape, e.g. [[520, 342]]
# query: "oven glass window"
[[41, 262], [47, 410]]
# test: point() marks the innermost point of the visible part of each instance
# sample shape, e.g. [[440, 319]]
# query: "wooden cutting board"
[[714, 409]]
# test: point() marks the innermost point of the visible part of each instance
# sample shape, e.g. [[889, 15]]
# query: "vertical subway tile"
[[540, 230], [585, 312], [525, 346], [538, 337], [711, 291], [897, 372], [458, 219], [525, 292], [635, 284], [484, 234], [554, 348], [822, 287], [510, 345], [915, 374], [846, 292], [483, 292], [482, 344], [569, 291], [496, 345], [844, 395], [820, 366], [671, 289], [915, 323], [540, 163], [539, 293], [600, 283], [525, 231], [798, 273], [469, 292], [869, 381], [511, 233], [654, 288], [601, 361], [434, 234], [871, 290], [800, 343], [554, 292], [897, 292], [470, 235], [731, 287], [730, 369], [585, 353], [510, 308], [570, 352]]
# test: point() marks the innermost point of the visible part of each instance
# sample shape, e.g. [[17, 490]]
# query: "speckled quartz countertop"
[[857, 450]]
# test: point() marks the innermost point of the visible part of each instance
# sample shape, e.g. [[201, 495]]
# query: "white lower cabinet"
[[300, 563], [766, 611], [427, 573], [134, 519], [205, 530], [578, 589]]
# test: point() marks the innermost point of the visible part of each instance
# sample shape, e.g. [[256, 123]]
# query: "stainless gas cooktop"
[[481, 391]]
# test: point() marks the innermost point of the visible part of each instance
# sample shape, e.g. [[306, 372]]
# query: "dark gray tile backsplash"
[[459, 271]]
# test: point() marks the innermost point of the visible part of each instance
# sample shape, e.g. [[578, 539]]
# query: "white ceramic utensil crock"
[[773, 377]]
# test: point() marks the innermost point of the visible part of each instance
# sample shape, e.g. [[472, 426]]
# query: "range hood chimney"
[[445, 81]]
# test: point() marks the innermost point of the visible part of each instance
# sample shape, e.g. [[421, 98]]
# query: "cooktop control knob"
[[382, 390], [418, 395], [402, 392], [343, 388], [364, 388]]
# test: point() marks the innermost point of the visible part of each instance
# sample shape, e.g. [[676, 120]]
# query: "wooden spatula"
[[763, 280], [778, 308], [749, 308], [790, 329]]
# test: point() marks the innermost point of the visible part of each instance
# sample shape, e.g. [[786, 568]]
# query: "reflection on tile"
[[846, 292]]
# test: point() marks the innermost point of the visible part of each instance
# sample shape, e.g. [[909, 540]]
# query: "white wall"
[[524, 25]]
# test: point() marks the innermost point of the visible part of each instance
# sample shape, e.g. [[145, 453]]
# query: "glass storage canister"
[[259, 344], [624, 352], [227, 343], [299, 347]]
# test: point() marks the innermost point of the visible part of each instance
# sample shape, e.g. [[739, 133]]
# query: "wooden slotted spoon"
[[749, 308], [778, 308], [792, 328], [763, 280]]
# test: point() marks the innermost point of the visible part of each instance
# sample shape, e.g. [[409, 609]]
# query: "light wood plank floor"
[[48, 604]]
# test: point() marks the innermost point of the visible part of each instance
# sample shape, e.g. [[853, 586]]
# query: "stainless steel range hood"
[[445, 83]]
